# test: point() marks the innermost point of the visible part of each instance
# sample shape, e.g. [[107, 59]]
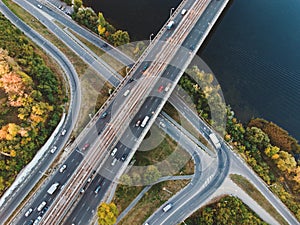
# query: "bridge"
[[155, 60]]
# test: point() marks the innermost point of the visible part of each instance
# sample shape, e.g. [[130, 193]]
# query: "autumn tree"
[[107, 214]]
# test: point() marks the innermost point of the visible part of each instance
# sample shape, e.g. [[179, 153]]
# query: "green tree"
[[151, 174], [107, 214], [77, 5], [120, 38]]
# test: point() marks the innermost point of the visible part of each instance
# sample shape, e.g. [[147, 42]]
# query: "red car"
[[85, 146], [160, 89]]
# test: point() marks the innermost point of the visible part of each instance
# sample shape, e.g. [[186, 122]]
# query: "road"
[[187, 45], [72, 114]]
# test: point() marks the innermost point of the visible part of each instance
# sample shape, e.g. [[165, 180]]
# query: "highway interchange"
[[149, 105]]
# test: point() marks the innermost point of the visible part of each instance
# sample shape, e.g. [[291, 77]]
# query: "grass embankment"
[[257, 196], [156, 196]]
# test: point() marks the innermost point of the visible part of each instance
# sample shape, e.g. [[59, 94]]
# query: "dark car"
[[124, 156], [104, 45]]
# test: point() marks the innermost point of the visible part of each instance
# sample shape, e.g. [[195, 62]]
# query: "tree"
[[107, 214], [77, 5], [120, 38], [151, 174]]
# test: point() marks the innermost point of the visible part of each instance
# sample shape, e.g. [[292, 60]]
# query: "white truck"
[[53, 188], [215, 140], [145, 121]]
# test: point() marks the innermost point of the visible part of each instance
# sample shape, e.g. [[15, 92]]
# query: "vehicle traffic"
[[170, 24]]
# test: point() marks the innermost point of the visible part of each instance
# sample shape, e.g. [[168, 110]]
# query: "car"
[[104, 45], [183, 12], [40, 6], [28, 212], [162, 124], [137, 123], [37, 220], [82, 190], [63, 132], [130, 80], [41, 206], [85, 146], [89, 179], [62, 169], [43, 210], [124, 156], [114, 161], [113, 152], [30, 222], [53, 149], [103, 115], [97, 189], [145, 67], [160, 89]]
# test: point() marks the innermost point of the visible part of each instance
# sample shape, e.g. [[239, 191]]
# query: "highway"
[[72, 114], [98, 179], [188, 45]]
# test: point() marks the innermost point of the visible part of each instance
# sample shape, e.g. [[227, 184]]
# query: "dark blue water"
[[254, 52]]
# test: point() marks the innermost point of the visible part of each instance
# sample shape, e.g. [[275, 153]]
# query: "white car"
[[29, 211], [114, 152], [62, 169], [63, 132], [40, 6], [53, 149]]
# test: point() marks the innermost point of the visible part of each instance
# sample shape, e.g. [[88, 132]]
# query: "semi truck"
[[215, 141], [53, 188], [145, 121]]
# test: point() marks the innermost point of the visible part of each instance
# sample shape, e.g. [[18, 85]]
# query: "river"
[[254, 51]]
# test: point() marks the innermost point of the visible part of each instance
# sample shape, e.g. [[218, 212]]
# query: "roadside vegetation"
[[227, 210], [267, 148], [97, 23], [31, 97], [257, 196]]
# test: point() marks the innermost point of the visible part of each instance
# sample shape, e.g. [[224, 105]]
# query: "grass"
[[152, 200], [162, 151], [257, 196]]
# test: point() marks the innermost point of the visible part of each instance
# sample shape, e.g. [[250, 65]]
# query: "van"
[[126, 93], [167, 207], [114, 162], [41, 206]]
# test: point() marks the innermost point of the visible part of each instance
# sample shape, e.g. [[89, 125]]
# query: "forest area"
[[31, 100]]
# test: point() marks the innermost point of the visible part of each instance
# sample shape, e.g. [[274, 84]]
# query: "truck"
[[53, 188], [170, 24], [145, 121], [215, 141]]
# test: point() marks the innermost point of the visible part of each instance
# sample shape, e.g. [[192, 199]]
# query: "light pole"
[[151, 37], [165, 189], [171, 11]]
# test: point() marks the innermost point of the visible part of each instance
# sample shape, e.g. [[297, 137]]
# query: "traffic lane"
[[81, 213], [69, 41], [182, 205], [61, 177], [67, 21]]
